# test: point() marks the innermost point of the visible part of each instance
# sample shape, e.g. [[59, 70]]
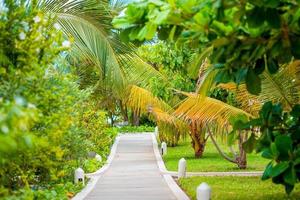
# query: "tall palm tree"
[[97, 45]]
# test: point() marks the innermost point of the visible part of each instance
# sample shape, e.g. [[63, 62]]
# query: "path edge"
[[177, 191], [94, 177]]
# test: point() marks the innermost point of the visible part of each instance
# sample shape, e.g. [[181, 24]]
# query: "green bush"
[[279, 142], [47, 124], [91, 165]]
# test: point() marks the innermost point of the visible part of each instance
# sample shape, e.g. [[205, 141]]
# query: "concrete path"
[[133, 173]]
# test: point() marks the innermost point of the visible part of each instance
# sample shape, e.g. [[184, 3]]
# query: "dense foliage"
[[278, 142], [47, 124], [172, 62], [246, 36]]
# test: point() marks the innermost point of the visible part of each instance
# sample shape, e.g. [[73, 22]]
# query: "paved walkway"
[[133, 173]]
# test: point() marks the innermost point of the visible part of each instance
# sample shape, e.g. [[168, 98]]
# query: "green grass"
[[236, 188], [211, 160]]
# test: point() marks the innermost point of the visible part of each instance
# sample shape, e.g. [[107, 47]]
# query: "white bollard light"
[[156, 131], [79, 176], [163, 148], [182, 168], [98, 158], [203, 192]]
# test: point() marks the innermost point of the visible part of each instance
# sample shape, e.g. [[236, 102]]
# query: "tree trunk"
[[135, 118], [111, 119], [198, 140], [124, 111], [242, 158]]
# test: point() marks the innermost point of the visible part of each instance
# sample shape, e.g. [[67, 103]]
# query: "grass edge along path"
[[237, 188]]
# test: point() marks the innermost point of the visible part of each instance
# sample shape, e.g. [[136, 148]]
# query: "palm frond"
[[143, 101], [247, 102], [282, 87], [91, 45], [206, 110]]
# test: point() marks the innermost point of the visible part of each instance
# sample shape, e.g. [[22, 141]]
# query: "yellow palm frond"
[[247, 102], [143, 101], [282, 87], [206, 110]]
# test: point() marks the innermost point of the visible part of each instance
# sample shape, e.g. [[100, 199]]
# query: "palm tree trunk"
[[135, 118], [198, 140], [124, 110], [242, 158]]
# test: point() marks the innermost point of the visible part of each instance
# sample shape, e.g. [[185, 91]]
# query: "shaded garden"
[[219, 79]]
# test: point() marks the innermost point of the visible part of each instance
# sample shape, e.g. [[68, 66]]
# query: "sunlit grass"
[[237, 188], [211, 160]]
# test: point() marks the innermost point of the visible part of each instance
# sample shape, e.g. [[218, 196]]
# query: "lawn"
[[211, 160], [231, 188]]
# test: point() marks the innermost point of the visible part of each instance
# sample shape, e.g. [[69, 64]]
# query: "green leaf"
[[289, 188], [274, 150], [201, 18], [267, 154], [284, 146], [231, 138], [255, 17], [240, 75], [279, 168], [273, 18], [223, 76], [250, 144], [222, 28], [147, 32], [273, 66], [296, 111], [121, 23], [253, 82], [265, 111], [259, 66], [161, 17], [172, 33], [134, 13], [271, 3], [290, 176], [267, 172]]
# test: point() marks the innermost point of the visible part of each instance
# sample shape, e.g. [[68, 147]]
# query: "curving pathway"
[[134, 173]]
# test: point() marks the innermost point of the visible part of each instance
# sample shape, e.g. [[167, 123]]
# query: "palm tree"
[[97, 45], [282, 87]]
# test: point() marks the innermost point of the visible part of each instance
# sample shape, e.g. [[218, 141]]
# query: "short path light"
[[163, 148], [98, 158], [182, 168], [203, 192], [79, 176]]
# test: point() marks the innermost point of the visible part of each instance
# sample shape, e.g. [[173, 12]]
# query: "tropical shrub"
[[279, 142], [47, 124]]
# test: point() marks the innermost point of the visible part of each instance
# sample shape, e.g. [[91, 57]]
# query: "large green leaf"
[[253, 82], [284, 146], [279, 168]]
